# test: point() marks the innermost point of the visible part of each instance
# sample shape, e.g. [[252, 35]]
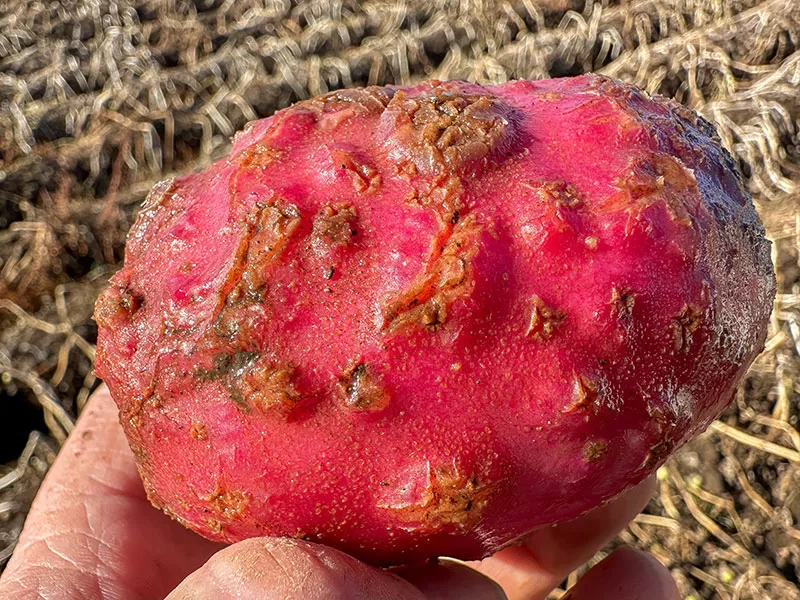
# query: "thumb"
[[285, 569], [626, 575]]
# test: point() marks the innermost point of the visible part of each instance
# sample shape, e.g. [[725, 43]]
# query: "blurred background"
[[99, 99]]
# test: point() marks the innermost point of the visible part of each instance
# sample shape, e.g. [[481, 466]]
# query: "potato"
[[411, 322]]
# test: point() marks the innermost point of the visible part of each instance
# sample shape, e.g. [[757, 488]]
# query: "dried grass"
[[101, 98]]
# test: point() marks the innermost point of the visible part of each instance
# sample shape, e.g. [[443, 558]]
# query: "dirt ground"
[[101, 98]]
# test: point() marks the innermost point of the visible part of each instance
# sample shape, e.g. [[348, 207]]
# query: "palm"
[[94, 528]]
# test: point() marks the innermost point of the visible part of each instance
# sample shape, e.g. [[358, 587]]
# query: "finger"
[[626, 575], [451, 580], [546, 556], [91, 532], [279, 568]]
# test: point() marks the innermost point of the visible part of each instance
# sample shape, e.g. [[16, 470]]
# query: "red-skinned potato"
[[410, 322]]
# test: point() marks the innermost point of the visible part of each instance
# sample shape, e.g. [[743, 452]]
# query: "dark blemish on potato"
[[584, 394], [656, 179], [365, 178], [446, 131], [684, 326], [259, 156], [268, 388], [334, 225], [451, 499], [252, 381], [135, 411], [225, 505], [447, 276], [130, 301], [328, 274], [622, 302], [559, 193], [116, 302], [157, 195], [405, 169], [223, 363], [544, 320], [269, 228], [594, 450], [657, 454], [368, 101], [361, 390], [198, 431], [558, 201]]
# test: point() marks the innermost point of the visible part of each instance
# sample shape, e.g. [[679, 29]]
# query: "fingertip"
[[450, 579], [279, 568], [544, 557], [565, 546], [627, 574]]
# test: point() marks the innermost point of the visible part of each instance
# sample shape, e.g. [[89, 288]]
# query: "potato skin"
[[423, 321]]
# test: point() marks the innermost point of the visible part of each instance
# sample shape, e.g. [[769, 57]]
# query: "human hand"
[[92, 534]]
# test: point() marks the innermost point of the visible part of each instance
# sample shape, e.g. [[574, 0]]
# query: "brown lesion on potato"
[[544, 320], [559, 199], [116, 302], [336, 225], [452, 498], [134, 412], [260, 155], [613, 89], [622, 302], [585, 394], [657, 454], [361, 390], [684, 325], [445, 131], [198, 431], [172, 515], [448, 276], [269, 228], [268, 388], [652, 179], [252, 380], [162, 207], [560, 193], [444, 196], [224, 364], [594, 450], [370, 100], [365, 179], [224, 506], [405, 169], [157, 194]]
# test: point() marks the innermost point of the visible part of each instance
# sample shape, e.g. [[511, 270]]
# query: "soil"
[[99, 100]]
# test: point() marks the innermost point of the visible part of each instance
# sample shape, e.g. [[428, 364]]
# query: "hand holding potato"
[[92, 534]]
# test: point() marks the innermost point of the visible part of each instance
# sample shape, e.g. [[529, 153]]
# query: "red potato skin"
[[424, 321]]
